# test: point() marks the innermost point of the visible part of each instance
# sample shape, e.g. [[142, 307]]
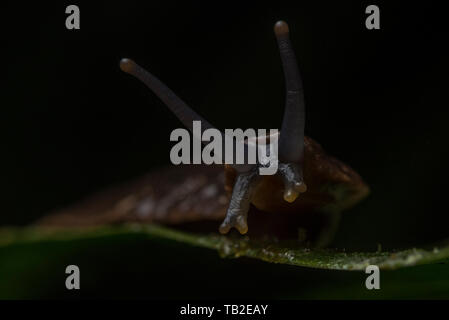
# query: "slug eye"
[[127, 65]]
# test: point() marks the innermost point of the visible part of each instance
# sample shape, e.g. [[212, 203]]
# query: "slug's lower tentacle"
[[293, 181], [237, 213]]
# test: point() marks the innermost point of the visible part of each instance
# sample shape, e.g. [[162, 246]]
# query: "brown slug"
[[309, 184]]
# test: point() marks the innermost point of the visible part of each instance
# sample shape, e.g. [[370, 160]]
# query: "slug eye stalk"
[[176, 105], [180, 109], [291, 143]]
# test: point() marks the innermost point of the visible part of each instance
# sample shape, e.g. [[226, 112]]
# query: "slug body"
[[308, 180]]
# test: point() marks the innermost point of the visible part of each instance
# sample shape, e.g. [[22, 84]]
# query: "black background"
[[73, 123]]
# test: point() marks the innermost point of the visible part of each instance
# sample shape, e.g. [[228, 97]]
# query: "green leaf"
[[270, 250], [136, 261]]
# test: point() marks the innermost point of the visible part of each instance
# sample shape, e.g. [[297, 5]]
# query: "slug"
[[309, 190]]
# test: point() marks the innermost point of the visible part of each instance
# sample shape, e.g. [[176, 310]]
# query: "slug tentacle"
[[291, 174], [237, 213], [291, 144], [181, 110]]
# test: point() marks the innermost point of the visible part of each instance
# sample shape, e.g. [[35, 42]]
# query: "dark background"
[[73, 123]]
